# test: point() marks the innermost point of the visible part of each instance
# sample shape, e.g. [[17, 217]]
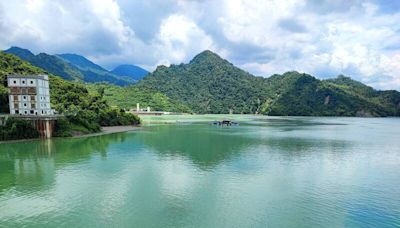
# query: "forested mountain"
[[84, 112], [51, 64], [81, 62], [210, 84], [131, 71], [74, 69]]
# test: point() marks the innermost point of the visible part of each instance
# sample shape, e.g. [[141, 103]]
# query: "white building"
[[29, 95]]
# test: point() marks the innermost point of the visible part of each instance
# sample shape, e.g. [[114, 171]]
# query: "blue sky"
[[358, 38]]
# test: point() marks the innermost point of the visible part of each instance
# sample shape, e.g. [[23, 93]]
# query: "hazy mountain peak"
[[80, 61], [25, 53], [131, 71]]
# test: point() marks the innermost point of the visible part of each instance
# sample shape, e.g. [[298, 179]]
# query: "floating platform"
[[224, 123]]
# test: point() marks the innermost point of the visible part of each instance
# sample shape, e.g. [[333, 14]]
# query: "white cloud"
[[358, 38], [179, 37]]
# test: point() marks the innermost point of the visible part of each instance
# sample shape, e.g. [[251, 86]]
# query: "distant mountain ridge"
[[81, 62], [131, 71], [210, 84], [71, 67]]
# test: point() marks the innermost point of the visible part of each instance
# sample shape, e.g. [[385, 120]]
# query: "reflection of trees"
[[208, 146], [205, 145], [7, 177], [33, 163]]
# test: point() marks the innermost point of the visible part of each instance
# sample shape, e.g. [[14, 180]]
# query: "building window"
[[32, 98], [23, 82], [26, 112], [24, 104], [15, 82], [31, 82], [32, 112], [16, 112], [15, 98], [24, 97], [16, 105], [33, 105]]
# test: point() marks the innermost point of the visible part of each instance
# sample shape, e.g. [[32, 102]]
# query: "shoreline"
[[104, 131], [108, 131]]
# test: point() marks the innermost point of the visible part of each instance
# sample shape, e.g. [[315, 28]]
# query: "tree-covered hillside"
[[128, 97], [210, 84], [71, 69], [303, 95], [84, 112]]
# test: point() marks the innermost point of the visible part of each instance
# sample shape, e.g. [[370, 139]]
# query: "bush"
[[62, 128], [115, 117], [18, 129]]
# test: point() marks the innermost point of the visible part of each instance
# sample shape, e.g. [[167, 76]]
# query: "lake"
[[266, 172]]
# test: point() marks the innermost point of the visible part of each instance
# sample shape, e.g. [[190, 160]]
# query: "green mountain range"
[[70, 67], [210, 84]]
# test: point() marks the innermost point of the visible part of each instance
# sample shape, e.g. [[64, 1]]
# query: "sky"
[[325, 38]]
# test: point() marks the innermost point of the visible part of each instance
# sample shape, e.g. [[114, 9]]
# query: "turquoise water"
[[266, 172]]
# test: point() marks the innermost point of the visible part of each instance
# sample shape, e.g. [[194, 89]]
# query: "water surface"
[[266, 172]]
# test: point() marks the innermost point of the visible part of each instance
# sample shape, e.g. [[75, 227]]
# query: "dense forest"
[[128, 97], [84, 112], [210, 84]]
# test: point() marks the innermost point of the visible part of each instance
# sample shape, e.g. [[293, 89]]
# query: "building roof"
[[38, 76]]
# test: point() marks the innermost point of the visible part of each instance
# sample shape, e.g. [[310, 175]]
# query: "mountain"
[[210, 84], [131, 71], [23, 53], [81, 62], [50, 63], [83, 112], [71, 70]]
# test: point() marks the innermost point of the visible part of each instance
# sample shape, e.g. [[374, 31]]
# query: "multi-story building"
[[29, 95]]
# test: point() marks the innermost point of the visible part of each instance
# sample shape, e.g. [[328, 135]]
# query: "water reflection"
[[33, 164], [207, 146], [205, 176], [204, 145]]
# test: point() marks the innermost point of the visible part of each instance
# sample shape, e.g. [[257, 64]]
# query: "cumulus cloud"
[[325, 38], [176, 39]]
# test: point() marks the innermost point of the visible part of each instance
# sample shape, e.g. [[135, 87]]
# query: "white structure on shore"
[[29, 95]]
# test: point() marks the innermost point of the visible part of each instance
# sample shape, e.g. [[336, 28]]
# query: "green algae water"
[[266, 172]]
